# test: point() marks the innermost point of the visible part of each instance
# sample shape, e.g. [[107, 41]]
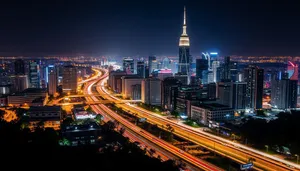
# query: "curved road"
[[133, 128], [235, 151]]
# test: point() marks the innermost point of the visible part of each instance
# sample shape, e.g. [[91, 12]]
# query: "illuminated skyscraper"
[[151, 62], [70, 79], [184, 50], [169, 93], [215, 66], [166, 63], [254, 77], [52, 83], [19, 67], [34, 74], [140, 69], [202, 69], [292, 71], [128, 65]]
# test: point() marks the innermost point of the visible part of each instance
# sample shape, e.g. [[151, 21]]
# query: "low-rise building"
[[136, 92], [82, 134], [3, 101], [127, 82], [26, 97], [114, 80], [151, 91], [50, 116], [203, 113]]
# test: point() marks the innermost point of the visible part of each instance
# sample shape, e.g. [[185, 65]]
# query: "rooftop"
[[44, 108], [213, 106]]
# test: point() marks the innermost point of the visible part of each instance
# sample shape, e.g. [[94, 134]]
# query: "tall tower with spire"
[[184, 50]]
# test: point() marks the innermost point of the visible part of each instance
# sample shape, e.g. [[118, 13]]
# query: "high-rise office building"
[[292, 71], [154, 66], [254, 77], [206, 56], [136, 92], [19, 82], [52, 80], [225, 93], [114, 80], [293, 84], [226, 66], [140, 69], [233, 71], [238, 92], [215, 66], [184, 50], [151, 91], [128, 65], [19, 67], [280, 93], [151, 62], [211, 91], [147, 71], [210, 77], [213, 56], [34, 74], [127, 82], [284, 88], [232, 94], [43, 75], [169, 93], [183, 78], [166, 64], [202, 69], [70, 79]]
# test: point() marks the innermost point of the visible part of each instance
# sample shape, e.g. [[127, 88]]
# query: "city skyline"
[[150, 28]]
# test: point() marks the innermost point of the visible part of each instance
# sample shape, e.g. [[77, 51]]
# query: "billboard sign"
[[246, 166]]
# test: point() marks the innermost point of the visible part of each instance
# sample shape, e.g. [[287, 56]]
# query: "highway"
[[232, 150], [128, 133], [131, 128]]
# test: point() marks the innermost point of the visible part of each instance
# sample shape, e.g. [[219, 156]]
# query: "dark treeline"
[[284, 131], [40, 149]]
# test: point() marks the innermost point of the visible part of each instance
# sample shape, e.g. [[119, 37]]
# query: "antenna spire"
[[184, 16]]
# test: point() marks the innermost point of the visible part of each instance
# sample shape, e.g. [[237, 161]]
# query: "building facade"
[[52, 82], [70, 79], [151, 91], [19, 67], [127, 82], [254, 78], [34, 74], [204, 113], [49, 115], [128, 65], [169, 93], [136, 92], [140, 69]]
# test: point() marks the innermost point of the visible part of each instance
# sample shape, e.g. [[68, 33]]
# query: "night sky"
[[144, 27]]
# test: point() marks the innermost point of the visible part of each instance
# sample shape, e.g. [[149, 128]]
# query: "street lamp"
[[297, 158], [267, 148]]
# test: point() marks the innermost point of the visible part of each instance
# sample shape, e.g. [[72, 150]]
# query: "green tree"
[[64, 142], [99, 119]]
